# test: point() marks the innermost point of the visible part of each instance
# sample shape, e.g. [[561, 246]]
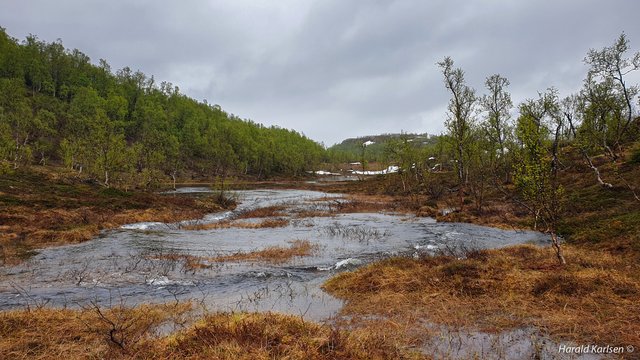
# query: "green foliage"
[[123, 128], [536, 169], [607, 99]]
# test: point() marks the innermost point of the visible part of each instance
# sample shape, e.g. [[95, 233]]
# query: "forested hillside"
[[376, 148], [56, 106]]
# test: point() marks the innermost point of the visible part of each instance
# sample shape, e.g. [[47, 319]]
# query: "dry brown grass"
[[263, 212], [267, 223], [303, 214], [497, 212], [275, 254], [126, 333], [358, 203], [272, 254], [595, 299], [84, 334]]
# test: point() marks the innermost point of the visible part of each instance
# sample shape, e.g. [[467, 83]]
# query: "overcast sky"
[[333, 69]]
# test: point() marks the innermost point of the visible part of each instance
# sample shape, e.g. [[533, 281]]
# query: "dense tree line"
[[123, 128]]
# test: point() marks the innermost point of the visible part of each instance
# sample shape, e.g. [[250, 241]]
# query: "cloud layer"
[[334, 69]]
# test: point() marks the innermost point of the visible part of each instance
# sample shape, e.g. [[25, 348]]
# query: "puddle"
[[524, 343]]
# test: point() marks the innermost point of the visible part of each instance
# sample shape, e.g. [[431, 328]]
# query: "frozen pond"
[[146, 262]]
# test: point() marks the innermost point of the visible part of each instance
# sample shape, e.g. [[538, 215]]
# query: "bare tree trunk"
[[556, 246], [595, 170]]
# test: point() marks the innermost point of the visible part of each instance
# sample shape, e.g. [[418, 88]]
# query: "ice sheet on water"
[[165, 281], [426, 247], [348, 263], [142, 225]]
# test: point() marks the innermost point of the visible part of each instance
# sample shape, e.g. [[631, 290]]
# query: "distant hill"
[[351, 149]]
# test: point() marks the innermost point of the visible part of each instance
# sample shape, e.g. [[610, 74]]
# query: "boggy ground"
[[43, 207]]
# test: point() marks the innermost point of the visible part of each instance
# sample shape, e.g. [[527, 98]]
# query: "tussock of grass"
[[275, 254], [274, 336], [595, 299], [191, 262], [125, 333], [267, 223], [364, 203], [272, 254], [263, 212]]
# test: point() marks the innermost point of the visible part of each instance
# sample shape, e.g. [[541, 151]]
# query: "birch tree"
[[459, 119], [539, 130]]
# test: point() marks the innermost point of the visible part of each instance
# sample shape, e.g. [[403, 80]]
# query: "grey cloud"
[[334, 69]]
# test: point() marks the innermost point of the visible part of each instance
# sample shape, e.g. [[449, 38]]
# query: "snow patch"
[[322, 172], [390, 170]]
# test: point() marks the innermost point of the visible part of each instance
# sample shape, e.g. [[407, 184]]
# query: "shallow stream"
[[142, 263]]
